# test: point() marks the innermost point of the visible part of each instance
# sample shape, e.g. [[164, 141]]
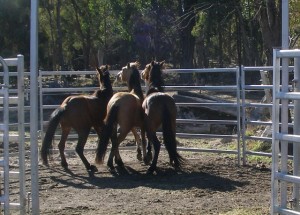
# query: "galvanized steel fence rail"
[[239, 87]]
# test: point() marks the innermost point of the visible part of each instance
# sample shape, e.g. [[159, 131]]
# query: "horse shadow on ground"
[[128, 177]]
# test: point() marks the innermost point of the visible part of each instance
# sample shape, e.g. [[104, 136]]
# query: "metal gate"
[[6, 100], [285, 177]]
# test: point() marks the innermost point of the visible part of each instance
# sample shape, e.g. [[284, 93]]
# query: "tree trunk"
[[59, 37], [187, 40], [269, 17]]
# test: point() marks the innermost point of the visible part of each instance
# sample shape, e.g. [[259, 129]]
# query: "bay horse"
[[124, 109], [80, 112], [160, 110]]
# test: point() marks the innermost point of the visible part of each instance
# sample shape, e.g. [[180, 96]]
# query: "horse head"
[[152, 75], [126, 71], [103, 76]]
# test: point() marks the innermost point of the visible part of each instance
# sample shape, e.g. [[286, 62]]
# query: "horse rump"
[[53, 123], [106, 133]]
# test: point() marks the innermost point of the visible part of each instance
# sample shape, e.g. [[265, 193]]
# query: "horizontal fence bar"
[[181, 135], [215, 88], [291, 95], [177, 104], [287, 178], [254, 153], [249, 122], [188, 135], [260, 105], [195, 121], [258, 138], [130, 148], [258, 87], [287, 53], [285, 211], [287, 137], [206, 104], [206, 70]]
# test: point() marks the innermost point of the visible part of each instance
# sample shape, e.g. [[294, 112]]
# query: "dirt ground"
[[208, 184]]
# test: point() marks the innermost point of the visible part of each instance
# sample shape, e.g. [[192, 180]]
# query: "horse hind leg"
[[82, 138], [113, 150], [121, 137], [62, 144], [138, 144], [156, 145], [147, 154]]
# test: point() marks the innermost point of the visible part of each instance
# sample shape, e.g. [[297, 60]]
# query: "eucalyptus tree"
[[14, 33]]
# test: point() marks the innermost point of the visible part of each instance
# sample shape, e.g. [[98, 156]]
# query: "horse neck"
[[153, 88], [107, 86], [137, 90], [105, 90]]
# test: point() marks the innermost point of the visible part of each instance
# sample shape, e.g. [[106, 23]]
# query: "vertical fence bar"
[[275, 142], [296, 130], [243, 77], [5, 135], [40, 84], [34, 107], [284, 102], [21, 136], [238, 86]]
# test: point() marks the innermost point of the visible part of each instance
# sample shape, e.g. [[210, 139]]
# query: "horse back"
[[130, 108], [84, 111], [155, 106]]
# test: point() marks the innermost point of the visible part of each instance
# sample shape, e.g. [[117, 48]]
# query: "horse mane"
[[156, 82], [134, 82]]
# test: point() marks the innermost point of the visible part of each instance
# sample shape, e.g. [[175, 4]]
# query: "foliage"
[[187, 33]]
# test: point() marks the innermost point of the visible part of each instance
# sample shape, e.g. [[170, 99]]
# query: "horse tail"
[[169, 136], [53, 123], [106, 133]]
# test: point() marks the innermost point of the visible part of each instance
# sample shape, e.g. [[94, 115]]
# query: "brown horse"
[[124, 109], [160, 109], [80, 113]]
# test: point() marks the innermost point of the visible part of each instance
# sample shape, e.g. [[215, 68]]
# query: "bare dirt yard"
[[208, 184]]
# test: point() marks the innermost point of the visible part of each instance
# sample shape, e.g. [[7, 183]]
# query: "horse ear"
[[162, 63], [128, 65], [152, 63], [100, 73]]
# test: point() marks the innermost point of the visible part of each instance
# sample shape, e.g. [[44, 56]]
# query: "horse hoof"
[[120, 163], [111, 169], [146, 160], [93, 168], [150, 171]]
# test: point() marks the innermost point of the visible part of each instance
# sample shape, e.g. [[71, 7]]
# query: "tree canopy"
[[78, 35]]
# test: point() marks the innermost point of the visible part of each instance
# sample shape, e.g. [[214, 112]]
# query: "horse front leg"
[[82, 138]]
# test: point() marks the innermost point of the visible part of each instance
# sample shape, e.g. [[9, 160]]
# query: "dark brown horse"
[[80, 113], [160, 109], [124, 109]]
